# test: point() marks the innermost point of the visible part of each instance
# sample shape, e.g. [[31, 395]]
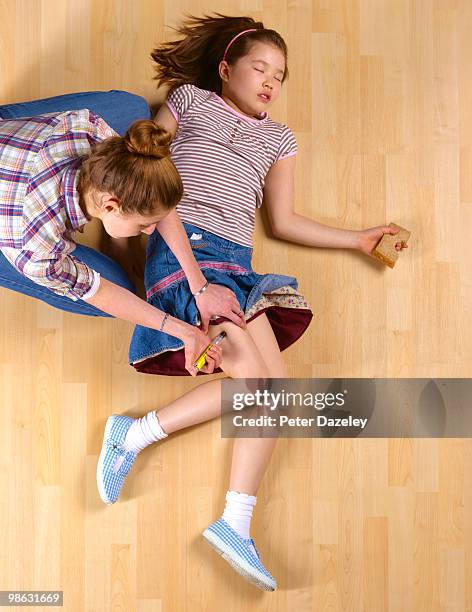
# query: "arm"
[[215, 300], [288, 225], [166, 120], [122, 304], [173, 232], [65, 275], [279, 195], [125, 305], [171, 228]]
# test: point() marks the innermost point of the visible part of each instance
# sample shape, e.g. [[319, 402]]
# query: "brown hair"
[[136, 169], [195, 58]]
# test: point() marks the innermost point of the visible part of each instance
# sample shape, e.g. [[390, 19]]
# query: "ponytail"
[[196, 57]]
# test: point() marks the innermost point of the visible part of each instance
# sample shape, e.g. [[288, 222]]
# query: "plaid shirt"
[[40, 160]]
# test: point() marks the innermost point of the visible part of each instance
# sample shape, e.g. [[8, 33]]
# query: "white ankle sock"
[[238, 512], [143, 432]]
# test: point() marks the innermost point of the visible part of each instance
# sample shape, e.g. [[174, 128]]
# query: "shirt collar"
[[263, 117], [70, 195]]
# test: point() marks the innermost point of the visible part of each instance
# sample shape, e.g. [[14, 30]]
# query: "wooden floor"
[[379, 97]]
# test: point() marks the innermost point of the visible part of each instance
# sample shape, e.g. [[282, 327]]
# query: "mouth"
[[263, 97]]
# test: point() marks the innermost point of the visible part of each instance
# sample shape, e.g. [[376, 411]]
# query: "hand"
[[195, 343], [368, 238], [219, 301]]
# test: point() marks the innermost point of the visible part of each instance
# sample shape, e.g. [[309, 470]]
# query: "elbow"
[[279, 228]]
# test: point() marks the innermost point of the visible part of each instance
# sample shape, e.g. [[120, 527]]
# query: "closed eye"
[[279, 79]]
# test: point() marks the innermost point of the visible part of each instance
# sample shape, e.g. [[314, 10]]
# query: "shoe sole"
[[101, 459], [241, 566]]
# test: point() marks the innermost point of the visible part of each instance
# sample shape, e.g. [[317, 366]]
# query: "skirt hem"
[[286, 333]]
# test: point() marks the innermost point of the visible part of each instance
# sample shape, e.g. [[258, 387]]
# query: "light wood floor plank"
[[379, 100]]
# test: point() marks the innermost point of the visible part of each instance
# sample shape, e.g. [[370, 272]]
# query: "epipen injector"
[[202, 357]]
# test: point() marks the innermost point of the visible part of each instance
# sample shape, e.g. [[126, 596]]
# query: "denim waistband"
[[208, 249], [196, 234]]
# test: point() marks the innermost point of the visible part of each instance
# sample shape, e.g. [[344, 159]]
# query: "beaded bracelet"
[[163, 321], [200, 291]]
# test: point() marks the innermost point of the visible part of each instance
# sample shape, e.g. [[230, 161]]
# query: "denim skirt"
[[223, 263]]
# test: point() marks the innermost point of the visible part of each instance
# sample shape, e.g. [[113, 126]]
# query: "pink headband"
[[234, 38]]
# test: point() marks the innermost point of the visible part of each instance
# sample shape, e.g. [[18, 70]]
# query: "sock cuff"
[[241, 497], [156, 426]]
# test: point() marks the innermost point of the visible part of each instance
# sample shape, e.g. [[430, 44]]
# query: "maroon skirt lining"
[[288, 324]]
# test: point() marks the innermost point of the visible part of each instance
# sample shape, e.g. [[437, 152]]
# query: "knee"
[[241, 357], [248, 364]]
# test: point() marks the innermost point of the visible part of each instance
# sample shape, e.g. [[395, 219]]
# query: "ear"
[[223, 70], [108, 202]]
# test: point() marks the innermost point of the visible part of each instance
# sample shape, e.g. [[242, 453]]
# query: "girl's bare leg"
[[251, 455], [242, 360], [198, 405], [247, 354]]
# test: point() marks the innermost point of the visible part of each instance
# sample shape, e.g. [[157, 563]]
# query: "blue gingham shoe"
[[239, 553], [114, 462]]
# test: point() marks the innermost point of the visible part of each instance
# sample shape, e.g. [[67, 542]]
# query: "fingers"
[[213, 359], [394, 230], [401, 245], [226, 303], [216, 355], [190, 367], [235, 313], [243, 324], [232, 311], [205, 323], [236, 318], [189, 361], [233, 307]]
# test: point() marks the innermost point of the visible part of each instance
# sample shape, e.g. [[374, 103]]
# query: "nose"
[[149, 230], [267, 84]]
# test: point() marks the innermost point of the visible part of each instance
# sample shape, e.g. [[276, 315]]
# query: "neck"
[[86, 204]]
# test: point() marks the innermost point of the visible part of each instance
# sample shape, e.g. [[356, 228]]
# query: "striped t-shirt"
[[223, 158]]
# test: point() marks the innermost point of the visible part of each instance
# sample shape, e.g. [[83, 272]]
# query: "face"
[[119, 225], [254, 82]]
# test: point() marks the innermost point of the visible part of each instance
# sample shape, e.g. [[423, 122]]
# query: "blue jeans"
[[118, 108], [10, 278]]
